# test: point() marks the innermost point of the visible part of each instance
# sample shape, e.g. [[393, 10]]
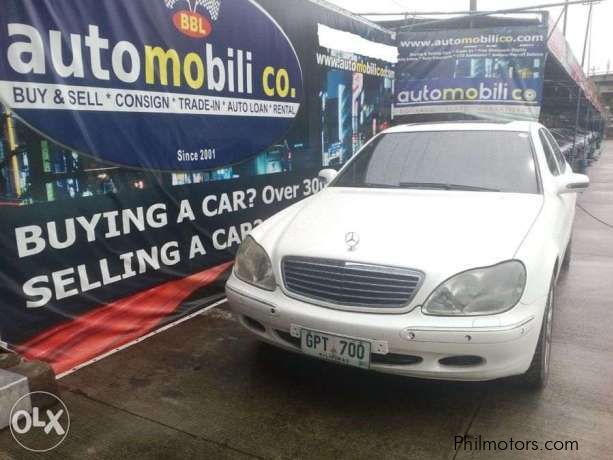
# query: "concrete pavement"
[[206, 389]]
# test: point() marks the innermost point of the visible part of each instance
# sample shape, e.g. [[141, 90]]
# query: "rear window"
[[499, 161]]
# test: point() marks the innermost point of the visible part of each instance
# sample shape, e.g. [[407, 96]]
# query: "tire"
[[537, 375], [567, 256]]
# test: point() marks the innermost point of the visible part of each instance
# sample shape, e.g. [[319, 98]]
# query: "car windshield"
[[498, 161]]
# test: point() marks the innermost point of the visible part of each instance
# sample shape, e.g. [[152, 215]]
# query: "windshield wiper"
[[370, 185], [442, 186]]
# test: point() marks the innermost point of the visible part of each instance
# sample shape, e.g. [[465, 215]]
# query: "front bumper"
[[505, 343]]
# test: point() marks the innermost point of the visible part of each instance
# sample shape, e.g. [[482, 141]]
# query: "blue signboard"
[[158, 84], [496, 72]]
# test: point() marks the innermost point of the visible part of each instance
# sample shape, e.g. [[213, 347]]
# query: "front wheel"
[[538, 372]]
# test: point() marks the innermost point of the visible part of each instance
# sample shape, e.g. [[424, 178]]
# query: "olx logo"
[[39, 429]]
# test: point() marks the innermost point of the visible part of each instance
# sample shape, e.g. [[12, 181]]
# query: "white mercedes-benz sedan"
[[433, 253]]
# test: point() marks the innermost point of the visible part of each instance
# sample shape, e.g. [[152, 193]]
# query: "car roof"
[[522, 126]]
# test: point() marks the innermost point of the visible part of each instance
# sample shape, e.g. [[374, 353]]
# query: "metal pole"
[[473, 9], [589, 50], [553, 28], [587, 34], [578, 111], [565, 18]]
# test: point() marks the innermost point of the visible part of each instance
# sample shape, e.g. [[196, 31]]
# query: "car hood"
[[437, 232]]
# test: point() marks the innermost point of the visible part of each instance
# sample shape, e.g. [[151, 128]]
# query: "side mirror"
[[573, 183], [326, 176]]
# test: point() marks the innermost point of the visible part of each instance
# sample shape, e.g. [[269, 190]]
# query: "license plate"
[[334, 348]]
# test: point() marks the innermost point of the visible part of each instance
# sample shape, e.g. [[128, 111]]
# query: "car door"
[[566, 171], [564, 203]]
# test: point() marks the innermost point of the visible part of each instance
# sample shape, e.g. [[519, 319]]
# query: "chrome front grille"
[[350, 284]]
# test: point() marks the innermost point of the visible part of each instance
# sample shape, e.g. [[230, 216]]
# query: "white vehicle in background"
[[433, 253]]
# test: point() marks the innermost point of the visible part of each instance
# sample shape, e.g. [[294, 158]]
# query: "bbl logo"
[[38, 429], [190, 22]]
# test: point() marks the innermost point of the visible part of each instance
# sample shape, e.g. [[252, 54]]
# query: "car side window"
[[556, 151], [552, 163]]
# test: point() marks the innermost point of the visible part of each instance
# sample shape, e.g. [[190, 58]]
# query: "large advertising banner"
[[141, 141], [226, 70], [83, 276], [492, 73]]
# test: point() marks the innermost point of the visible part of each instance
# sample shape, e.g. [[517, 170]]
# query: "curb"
[[18, 378]]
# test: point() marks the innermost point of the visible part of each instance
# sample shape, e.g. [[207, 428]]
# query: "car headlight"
[[482, 291], [253, 266]]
